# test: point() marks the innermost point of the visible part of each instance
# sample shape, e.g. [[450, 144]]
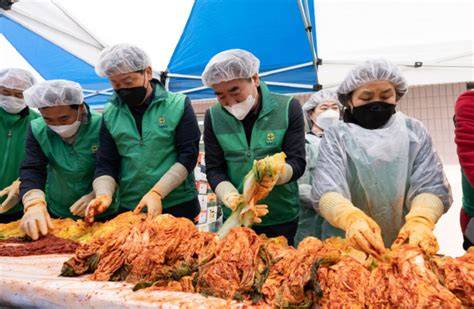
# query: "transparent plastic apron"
[[378, 172]]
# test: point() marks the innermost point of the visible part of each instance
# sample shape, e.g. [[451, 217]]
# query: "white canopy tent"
[[422, 64], [52, 21], [44, 38], [437, 34]]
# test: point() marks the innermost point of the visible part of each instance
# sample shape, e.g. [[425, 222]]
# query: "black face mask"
[[132, 96], [370, 116]]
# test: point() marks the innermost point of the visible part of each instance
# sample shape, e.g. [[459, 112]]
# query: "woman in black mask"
[[378, 177]]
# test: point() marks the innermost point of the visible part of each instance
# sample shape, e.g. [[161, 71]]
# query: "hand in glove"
[[152, 201], [252, 214], [96, 207], [265, 174], [233, 200], [12, 193], [175, 176], [80, 206], [273, 168], [104, 188], [362, 232], [417, 232], [425, 211], [36, 219], [229, 195]]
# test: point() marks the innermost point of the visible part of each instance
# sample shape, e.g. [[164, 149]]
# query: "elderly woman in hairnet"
[[15, 117], [60, 154], [322, 110], [378, 177], [248, 123]]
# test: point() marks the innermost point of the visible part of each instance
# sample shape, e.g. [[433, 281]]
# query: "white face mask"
[[241, 109], [12, 105], [68, 130], [326, 119]]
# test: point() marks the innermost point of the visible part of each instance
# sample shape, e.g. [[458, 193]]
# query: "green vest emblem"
[[270, 138], [94, 148], [162, 122]]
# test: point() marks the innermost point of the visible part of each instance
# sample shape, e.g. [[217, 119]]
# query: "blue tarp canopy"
[[273, 31]]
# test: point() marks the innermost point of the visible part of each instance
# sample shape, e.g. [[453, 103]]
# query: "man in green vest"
[[250, 123], [15, 117], [57, 173], [149, 140]]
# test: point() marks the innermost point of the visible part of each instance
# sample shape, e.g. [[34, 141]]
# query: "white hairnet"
[[121, 58], [14, 78], [54, 93], [370, 70], [325, 95], [229, 65]]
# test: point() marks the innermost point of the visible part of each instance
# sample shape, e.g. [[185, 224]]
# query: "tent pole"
[[289, 85], [183, 76], [293, 67], [305, 15], [193, 89], [434, 64]]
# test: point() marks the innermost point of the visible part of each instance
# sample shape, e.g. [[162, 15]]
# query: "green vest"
[[70, 167], [467, 196], [145, 159], [13, 129], [267, 138]]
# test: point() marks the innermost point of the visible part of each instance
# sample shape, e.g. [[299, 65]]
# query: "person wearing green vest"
[[248, 123], [14, 119], [322, 110], [57, 173], [149, 141]]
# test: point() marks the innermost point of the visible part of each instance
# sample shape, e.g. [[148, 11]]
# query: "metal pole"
[[306, 16]]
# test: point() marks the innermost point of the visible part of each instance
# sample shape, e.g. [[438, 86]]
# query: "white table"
[[34, 281]]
